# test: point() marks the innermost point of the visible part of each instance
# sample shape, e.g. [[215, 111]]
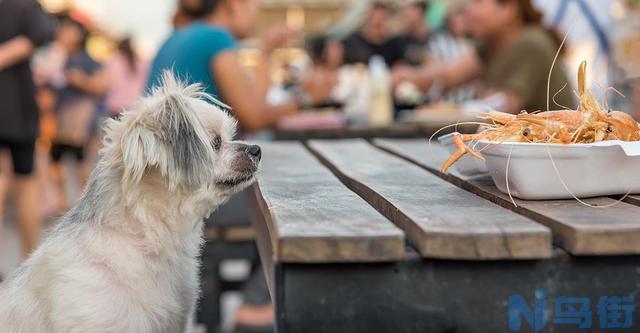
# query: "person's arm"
[[247, 101], [95, 83], [501, 100], [275, 37], [451, 75], [14, 51], [36, 29], [261, 74]]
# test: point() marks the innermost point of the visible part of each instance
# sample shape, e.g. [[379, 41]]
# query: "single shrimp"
[[622, 126]]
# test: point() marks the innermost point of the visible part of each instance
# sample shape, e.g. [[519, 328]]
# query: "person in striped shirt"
[[423, 46]]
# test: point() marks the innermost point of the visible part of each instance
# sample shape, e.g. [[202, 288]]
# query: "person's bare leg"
[[29, 215], [45, 184], [58, 177], [255, 315]]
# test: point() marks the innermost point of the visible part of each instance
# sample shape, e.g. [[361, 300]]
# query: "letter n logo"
[[519, 309]]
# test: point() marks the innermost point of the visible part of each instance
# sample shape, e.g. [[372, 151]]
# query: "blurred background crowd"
[[67, 65]]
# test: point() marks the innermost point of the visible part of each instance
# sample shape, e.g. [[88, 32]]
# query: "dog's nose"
[[255, 151]]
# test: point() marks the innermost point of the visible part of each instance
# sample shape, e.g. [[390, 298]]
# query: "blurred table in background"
[[323, 124]]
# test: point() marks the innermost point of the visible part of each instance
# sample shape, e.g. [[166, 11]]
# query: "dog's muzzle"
[[244, 165]]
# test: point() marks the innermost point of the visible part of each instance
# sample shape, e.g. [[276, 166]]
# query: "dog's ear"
[[168, 134], [140, 150], [184, 136]]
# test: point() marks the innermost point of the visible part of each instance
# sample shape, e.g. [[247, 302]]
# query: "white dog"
[[125, 258]]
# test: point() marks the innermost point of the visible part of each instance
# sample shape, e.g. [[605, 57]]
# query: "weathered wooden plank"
[[441, 220], [256, 206], [312, 217], [578, 229]]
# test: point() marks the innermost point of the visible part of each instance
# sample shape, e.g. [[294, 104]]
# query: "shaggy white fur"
[[125, 258]]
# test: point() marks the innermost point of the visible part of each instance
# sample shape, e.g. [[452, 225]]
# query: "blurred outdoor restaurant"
[[294, 70]]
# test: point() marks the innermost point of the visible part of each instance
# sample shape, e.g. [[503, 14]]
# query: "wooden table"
[[359, 236]]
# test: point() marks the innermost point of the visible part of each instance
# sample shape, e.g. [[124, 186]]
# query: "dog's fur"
[[125, 258]]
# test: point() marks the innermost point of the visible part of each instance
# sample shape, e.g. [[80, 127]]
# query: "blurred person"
[[451, 44], [452, 41], [189, 11], [590, 27], [23, 27], [456, 22], [126, 77], [77, 97], [206, 52], [422, 45], [513, 58], [373, 39], [47, 65], [327, 56], [326, 52], [417, 32], [445, 44]]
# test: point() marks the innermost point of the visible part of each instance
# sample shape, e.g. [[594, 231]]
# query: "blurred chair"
[[229, 236]]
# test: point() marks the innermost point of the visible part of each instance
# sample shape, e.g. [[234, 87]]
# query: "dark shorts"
[[60, 149], [22, 155]]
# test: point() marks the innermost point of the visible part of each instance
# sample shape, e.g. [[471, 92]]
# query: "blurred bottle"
[[353, 92], [381, 105]]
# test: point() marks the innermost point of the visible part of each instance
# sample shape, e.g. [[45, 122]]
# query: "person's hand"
[[76, 77], [14, 51], [401, 73], [277, 36], [319, 85], [441, 107]]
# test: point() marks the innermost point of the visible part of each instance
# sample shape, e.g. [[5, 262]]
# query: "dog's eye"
[[216, 142]]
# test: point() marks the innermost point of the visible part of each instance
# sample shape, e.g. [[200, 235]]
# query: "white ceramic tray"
[[587, 170]]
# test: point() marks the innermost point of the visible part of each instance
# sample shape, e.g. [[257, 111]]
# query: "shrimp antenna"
[[566, 187], [556, 94], [606, 96], [552, 65], [506, 177]]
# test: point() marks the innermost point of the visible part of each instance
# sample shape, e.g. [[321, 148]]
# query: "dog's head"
[[184, 137]]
